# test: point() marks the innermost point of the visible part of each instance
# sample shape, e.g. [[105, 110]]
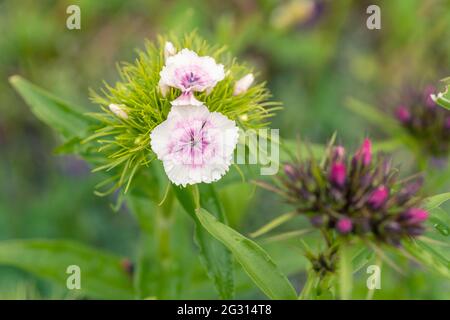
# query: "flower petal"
[[195, 145]]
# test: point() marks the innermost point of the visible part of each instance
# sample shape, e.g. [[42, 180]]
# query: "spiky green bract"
[[125, 142]]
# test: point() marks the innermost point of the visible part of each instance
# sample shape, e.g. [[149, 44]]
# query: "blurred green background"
[[313, 54]]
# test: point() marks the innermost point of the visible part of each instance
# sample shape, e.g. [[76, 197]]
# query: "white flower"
[[169, 50], [190, 73], [194, 144], [243, 84], [118, 110]]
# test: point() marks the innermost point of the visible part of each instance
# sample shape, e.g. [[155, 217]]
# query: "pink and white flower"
[[190, 73], [194, 144]]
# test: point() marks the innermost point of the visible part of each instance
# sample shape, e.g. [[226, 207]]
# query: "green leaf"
[[278, 221], [362, 258], [440, 221], [372, 115], [345, 272], [307, 292], [158, 260], [428, 256], [435, 201], [255, 261], [143, 210], [56, 113], [214, 256], [443, 98], [186, 199], [102, 274]]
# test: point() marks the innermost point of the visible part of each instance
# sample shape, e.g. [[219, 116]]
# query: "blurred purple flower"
[[357, 195], [344, 225]]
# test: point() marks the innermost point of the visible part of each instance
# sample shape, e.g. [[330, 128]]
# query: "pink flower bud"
[[378, 197], [344, 225], [364, 153], [338, 153], [416, 215], [289, 170], [402, 114], [338, 174]]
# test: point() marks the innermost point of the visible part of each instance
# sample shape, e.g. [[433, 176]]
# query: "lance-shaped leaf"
[[435, 201], [215, 257], [255, 261], [56, 113], [102, 274], [443, 98], [428, 256]]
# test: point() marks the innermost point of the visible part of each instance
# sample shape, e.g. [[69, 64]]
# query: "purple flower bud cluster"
[[426, 122], [359, 194]]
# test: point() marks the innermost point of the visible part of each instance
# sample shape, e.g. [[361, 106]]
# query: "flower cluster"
[[181, 102], [195, 145], [427, 122], [357, 195]]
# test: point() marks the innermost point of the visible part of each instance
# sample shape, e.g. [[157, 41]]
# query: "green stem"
[[196, 195], [311, 282], [164, 218], [345, 272]]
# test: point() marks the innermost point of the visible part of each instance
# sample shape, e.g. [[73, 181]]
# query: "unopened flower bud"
[[290, 171], [243, 84], [364, 153], [338, 174], [118, 110], [344, 225], [169, 50], [415, 215], [338, 154], [402, 114], [378, 197]]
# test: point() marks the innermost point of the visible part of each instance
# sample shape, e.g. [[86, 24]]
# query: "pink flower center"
[[191, 144], [191, 78]]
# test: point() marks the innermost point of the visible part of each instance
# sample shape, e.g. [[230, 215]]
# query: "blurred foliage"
[[312, 60]]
